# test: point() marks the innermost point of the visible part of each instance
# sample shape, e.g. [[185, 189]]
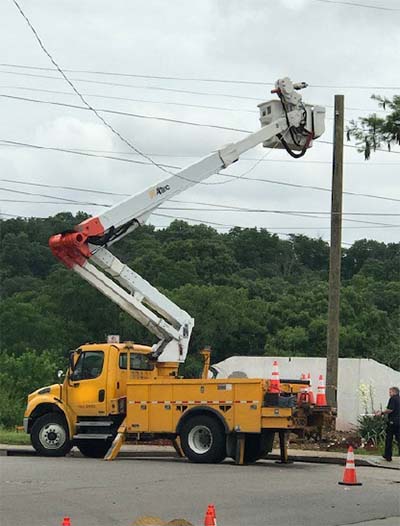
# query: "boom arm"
[[84, 250]]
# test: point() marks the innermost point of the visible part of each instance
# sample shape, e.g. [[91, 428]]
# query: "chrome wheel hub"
[[52, 436], [200, 439]]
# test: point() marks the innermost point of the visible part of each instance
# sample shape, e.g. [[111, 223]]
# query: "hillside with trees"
[[250, 292]]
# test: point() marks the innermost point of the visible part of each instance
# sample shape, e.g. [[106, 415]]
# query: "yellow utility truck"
[[113, 390]]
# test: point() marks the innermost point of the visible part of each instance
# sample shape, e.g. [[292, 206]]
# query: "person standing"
[[393, 424]]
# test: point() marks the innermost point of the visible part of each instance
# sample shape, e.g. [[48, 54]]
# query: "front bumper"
[[27, 422]]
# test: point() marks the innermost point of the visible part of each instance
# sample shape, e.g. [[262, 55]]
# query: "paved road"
[[40, 491]]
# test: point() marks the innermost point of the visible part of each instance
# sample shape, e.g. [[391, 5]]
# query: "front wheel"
[[50, 435], [203, 440]]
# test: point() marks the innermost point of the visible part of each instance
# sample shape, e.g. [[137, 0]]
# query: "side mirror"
[[71, 360], [60, 374]]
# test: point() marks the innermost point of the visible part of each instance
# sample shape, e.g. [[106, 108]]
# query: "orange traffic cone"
[[302, 396], [214, 515], [321, 397], [66, 521], [310, 394], [274, 383], [349, 476], [210, 519]]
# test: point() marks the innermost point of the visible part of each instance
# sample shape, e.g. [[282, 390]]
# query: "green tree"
[[372, 132]]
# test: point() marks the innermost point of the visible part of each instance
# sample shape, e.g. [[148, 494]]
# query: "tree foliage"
[[250, 292], [373, 131]]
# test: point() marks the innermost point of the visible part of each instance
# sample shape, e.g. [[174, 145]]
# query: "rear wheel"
[[203, 440], [256, 446], [50, 435], [93, 448]]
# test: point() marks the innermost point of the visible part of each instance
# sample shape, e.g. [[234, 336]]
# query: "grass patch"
[[16, 438]]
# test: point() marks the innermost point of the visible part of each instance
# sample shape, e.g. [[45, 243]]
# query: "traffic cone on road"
[[349, 476], [321, 396], [310, 394], [66, 521], [274, 383], [213, 514], [210, 519]]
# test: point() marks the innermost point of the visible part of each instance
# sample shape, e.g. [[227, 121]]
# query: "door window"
[[88, 366], [137, 362]]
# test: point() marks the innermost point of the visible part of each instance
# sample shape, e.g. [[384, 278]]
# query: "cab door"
[[87, 384]]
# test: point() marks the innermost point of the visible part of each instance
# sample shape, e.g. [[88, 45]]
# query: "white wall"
[[352, 373]]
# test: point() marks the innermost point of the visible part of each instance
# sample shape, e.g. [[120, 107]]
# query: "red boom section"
[[71, 248]]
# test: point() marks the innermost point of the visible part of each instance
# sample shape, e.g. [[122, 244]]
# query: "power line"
[[72, 203], [181, 156], [244, 209], [229, 128], [356, 147], [221, 225], [217, 207], [274, 211], [79, 152], [116, 84], [262, 180], [173, 90], [190, 79], [215, 223], [356, 4], [128, 99], [201, 221], [125, 114], [222, 208], [59, 187], [60, 199]]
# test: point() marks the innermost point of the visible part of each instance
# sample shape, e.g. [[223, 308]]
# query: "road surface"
[[40, 492]]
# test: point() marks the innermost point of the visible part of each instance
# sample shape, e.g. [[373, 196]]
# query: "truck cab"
[[89, 406]]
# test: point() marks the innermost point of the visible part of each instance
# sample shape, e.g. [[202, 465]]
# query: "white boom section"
[[133, 294], [141, 205]]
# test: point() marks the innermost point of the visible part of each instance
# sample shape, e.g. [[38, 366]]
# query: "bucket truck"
[[113, 390]]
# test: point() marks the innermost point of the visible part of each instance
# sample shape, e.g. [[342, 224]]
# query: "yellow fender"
[[50, 400]]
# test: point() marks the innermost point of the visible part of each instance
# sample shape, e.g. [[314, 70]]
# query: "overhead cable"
[[191, 79], [125, 114], [357, 4], [129, 99], [274, 211], [173, 90], [181, 156], [190, 123], [255, 179]]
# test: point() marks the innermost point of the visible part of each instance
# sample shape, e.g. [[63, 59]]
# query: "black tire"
[[203, 440], [93, 448], [50, 435], [256, 446], [253, 449]]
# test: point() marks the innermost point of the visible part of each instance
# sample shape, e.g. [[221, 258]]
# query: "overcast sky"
[[254, 40]]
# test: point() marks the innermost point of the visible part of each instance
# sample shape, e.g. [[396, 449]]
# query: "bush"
[[19, 376], [372, 429], [11, 409]]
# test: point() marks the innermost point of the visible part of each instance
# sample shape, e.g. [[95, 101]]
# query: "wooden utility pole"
[[335, 255]]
